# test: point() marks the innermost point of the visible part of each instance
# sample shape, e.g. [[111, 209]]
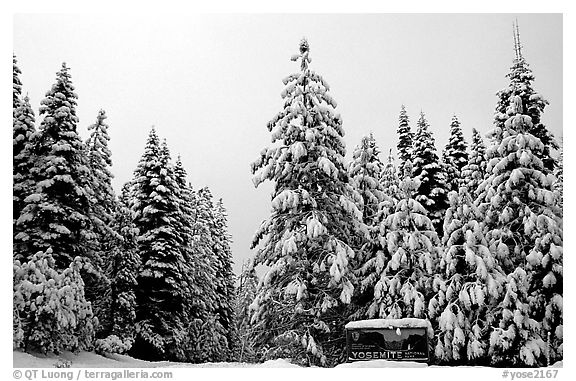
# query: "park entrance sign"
[[388, 339]]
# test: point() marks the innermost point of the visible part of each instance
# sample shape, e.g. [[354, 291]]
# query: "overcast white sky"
[[210, 83]]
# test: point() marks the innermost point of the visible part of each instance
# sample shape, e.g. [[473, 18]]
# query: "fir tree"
[[431, 177], [55, 213], [454, 156], [123, 267], [208, 285], [521, 78], [50, 312], [559, 173], [364, 172], [474, 171], [162, 291], [524, 229], [225, 275], [405, 140], [404, 275], [468, 286], [23, 129], [99, 162], [299, 308], [16, 84], [104, 208], [245, 294]]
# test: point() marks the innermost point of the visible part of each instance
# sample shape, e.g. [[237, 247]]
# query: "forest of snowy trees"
[[469, 238], [147, 272]]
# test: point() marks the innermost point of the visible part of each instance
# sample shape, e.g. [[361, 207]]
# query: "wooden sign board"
[[408, 343]]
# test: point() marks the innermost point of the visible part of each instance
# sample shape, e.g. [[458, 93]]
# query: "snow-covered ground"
[[93, 360]]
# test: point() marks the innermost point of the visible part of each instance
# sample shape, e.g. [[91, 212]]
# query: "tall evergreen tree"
[[474, 171], [364, 172], [56, 212], [162, 291], [104, 209], [245, 294], [224, 275], [16, 84], [23, 128], [559, 173], [468, 286], [405, 140], [123, 267], [208, 338], [300, 305], [427, 169], [521, 78], [404, 275], [99, 162], [454, 156], [524, 229]]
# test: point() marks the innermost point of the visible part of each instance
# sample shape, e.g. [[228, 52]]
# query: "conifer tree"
[[521, 78], [405, 140], [299, 307], [207, 339], [559, 173], [474, 171], [123, 267], [99, 162], [390, 180], [50, 312], [468, 286], [162, 291], [427, 169], [454, 156], [524, 229], [367, 276], [364, 172], [103, 212], [404, 276], [245, 294], [23, 128], [56, 212], [16, 84]]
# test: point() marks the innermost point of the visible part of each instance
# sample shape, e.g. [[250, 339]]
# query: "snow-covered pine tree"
[[474, 171], [16, 84], [206, 336], [23, 128], [50, 312], [197, 251], [559, 173], [427, 169], [388, 186], [104, 210], [299, 307], [521, 78], [123, 267], [99, 162], [454, 156], [467, 287], [390, 180], [364, 173], [162, 293], [226, 276], [405, 140], [524, 229], [404, 278], [245, 294], [56, 212]]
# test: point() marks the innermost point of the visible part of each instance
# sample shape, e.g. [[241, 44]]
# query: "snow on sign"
[[389, 339]]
